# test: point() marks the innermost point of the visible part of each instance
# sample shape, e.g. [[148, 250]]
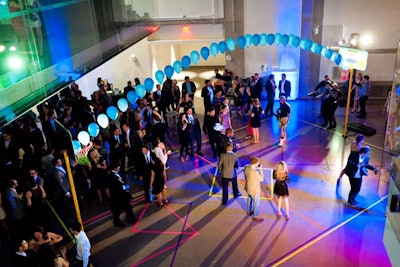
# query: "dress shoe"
[[278, 215], [133, 221], [237, 196], [250, 213], [119, 225], [351, 203], [258, 219], [199, 153], [287, 217], [361, 116]]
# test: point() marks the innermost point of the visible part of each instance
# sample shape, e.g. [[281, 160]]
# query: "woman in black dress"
[[255, 120], [281, 175], [159, 178], [99, 175]]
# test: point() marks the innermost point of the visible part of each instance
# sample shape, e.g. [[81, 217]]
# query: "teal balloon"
[[140, 91], [295, 41], [205, 52], [249, 40], [334, 56], [149, 84], [159, 77], [84, 137], [308, 44], [313, 47], [278, 37], [241, 41], [194, 57], [122, 104], [328, 53], [132, 96], [102, 120], [214, 49], [303, 43], [169, 71], [323, 50], [177, 66], [285, 39], [271, 39], [256, 39], [112, 112], [94, 129], [186, 62], [231, 44], [263, 39], [222, 47], [76, 146], [338, 59], [318, 49]]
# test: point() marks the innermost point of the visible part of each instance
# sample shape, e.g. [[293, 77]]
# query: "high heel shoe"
[[287, 217], [278, 215], [182, 159], [353, 110]]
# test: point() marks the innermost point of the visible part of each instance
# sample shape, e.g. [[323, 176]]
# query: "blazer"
[[227, 165], [253, 180], [205, 94], [192, 86], [286, 87], [352, 165]]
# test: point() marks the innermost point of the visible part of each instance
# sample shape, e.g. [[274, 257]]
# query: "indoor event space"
[[199, 133]]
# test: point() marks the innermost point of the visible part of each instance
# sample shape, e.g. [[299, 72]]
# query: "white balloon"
[[102, 120], [84, 138]]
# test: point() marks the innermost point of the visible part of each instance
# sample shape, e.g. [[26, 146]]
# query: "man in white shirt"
[[82, 244]]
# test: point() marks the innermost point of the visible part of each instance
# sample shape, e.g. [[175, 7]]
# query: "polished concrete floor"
[[196, 230]]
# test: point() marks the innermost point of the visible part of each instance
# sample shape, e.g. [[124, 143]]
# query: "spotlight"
[[2, 48], [3, 3], [13, 48], [14, 62]]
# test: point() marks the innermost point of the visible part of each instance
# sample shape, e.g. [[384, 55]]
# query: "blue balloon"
[[135, 106], [149, 84], [249, 40], [278, 37], [307, 44], [132, 96], [295, 41], [241, 41], [334, 56], [214, 49], [94, 129], [140, 91], [231, 43], [338, 59], [263, 39], [177, 66], [222, 47], [271, 39], [205, 52], [195, 56], [159, 76], [169, 71], [256, 39], [122, 104], [112, 112], [328, 53], [76, 146], [186, 62], [285, 39], [318, 49], [303, 43]]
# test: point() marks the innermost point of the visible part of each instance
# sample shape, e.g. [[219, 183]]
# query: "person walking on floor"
[[227, 165], [281, 175], [82, 244], [253, 175], [283, 118], [356, 168], [356, 145]]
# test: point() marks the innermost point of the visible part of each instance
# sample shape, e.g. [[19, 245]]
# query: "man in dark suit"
[[207, 93], [270, 86], [356, 168], [194, 131], [257, 87], [210, 122], [132, 146], [161, 99], [146, 167], [284, 87], [227, 165], [120, 197], [188, 87]]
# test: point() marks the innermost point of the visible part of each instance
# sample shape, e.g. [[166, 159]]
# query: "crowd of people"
[[133, 147]]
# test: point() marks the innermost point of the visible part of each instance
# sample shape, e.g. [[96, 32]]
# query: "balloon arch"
[[194, 57]]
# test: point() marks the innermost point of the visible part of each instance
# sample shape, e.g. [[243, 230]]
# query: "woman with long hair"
[[255, 120], [281, 175]]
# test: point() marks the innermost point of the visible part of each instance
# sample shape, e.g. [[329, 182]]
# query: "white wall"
[[379, 19], [120, 69]]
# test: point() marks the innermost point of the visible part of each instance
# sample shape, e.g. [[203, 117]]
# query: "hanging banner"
[[353, 58]]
